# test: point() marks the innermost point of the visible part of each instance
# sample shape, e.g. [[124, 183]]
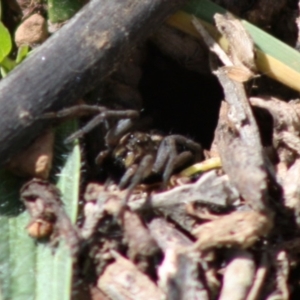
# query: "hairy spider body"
[[133, 147], [140, 153]]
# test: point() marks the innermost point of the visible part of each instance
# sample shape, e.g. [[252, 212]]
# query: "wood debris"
[[240, 228], [217, 229]]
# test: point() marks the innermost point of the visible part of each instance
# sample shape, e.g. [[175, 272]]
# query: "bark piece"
[[141, 244], [286, 128], [179, 273], [238, 276], [242, 156], [291, 189], [210, 189], [259, 279], [237, 133], [241, 229], [282, 265], [122, 280], [179, 276], [167, 236]]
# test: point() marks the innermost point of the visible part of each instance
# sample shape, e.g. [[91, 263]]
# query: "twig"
[[238, 276], [209, 189], [259, 279], [211, 43], [238, 137]]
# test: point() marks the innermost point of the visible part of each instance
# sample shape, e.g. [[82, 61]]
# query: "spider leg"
[[85, 129], [101, 156], [168, 158], [122, 127], [75, 111], [175, 162], [166, 151], [108, 114], [127, 176], [114, 134], [189, 144], [143, 170]]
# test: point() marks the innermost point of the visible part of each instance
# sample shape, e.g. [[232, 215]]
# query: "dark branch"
[[71, 63]]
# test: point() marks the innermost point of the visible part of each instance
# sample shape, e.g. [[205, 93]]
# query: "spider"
[[141, 153]]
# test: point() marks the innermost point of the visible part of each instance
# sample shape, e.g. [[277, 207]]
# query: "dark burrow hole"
[[180, 101], [186, 102]]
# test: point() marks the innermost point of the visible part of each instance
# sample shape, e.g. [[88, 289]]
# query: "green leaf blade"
[[274, 58], [31, 270], [5, 42], [204, 9]]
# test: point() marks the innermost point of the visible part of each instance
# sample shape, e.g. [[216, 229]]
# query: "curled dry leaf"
[[241, 229], [291, 141], [42, 201], [241, 46], [48, 218]]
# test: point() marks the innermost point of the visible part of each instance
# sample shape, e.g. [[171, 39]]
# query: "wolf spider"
[[141, 153]]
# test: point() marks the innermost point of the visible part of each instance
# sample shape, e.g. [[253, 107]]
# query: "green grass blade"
[[30, 270], [17, 250], [22, 53], [274, 58], [5, 42], [204, 9]]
